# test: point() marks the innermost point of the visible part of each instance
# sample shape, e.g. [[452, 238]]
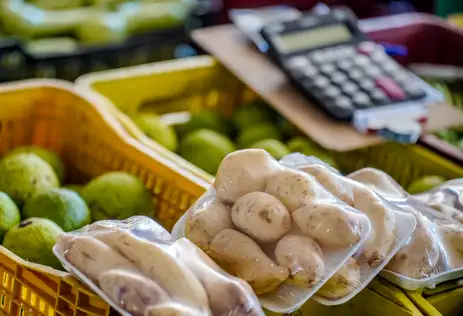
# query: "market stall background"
[[90, 126]]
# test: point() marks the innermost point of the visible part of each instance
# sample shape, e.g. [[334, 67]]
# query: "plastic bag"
[[391, 229], [136, 267], [380, 182], [274, 226], [447, 199], [431, 255]]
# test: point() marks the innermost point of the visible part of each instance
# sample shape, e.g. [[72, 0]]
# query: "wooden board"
[[232, 49]]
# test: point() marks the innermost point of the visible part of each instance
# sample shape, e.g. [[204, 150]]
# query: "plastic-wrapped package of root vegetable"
[[433, 254], [275, 227], [446, 198], [136, 267], [391, 229]]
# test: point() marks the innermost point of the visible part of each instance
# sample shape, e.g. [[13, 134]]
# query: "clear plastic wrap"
[[391, 229], [380, 182], [447, 199], [434, 253], [431, 256], [136, 267], [274, 226]]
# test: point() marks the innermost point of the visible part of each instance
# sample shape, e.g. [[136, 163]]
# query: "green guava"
[[64, 207], [256, 133], [24, 175], [49, 156], [287, 128], [207, 119], [251, 114], [9, 214], [33, 240], [157, 130], [117, 195], [425, 184], [206, 149], [274, 147]]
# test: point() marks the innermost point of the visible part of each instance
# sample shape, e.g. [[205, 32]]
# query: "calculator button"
[[367, 85], [362, 61], [316, 57], [361, 99], [338, 77], [379, 56], [349, 88], [327, 69], [347, 52], [391, 88], [297, 62], [345, 64], [309, 71], [373, 71], [321, 82], [414, 91], [356, 74], [390, 66], [367, 48], [332, 91], [343, 103], [378, 96]]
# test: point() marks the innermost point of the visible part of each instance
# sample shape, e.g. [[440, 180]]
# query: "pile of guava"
[[36, 203], [207, 135]]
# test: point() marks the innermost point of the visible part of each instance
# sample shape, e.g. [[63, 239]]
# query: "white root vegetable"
[[378, 181], [261, 216], [330, 182], [343, 282], [165, 270], [420, 255], [228, 295], [172, 309], [241, 256], [329, 224], [295, 189], [383, 221], [132, 292], [303, 257], [452, 240], [204, 224], [92, 257], [242, 172]]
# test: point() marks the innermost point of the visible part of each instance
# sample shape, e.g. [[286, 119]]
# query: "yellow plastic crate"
[[53, 115], [201, 82]]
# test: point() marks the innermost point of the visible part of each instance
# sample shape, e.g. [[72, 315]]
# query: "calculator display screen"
[[313, 38]]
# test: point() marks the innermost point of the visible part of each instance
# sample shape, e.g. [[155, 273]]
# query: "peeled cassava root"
[[242, 172], [158, 265], [420, 255], [344, 281], [261, 216], [295, 189], [242, 257], [330, 224], [452, 240], [172, 309], [228, 296], [382, 236], [204, 224], [94, 257], [132, 292], [303, 257], [378, 181]]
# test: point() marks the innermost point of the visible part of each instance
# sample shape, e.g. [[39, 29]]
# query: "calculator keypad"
[[346, 78]]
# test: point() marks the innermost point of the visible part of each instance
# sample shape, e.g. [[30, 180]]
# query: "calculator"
[[334, 63]]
